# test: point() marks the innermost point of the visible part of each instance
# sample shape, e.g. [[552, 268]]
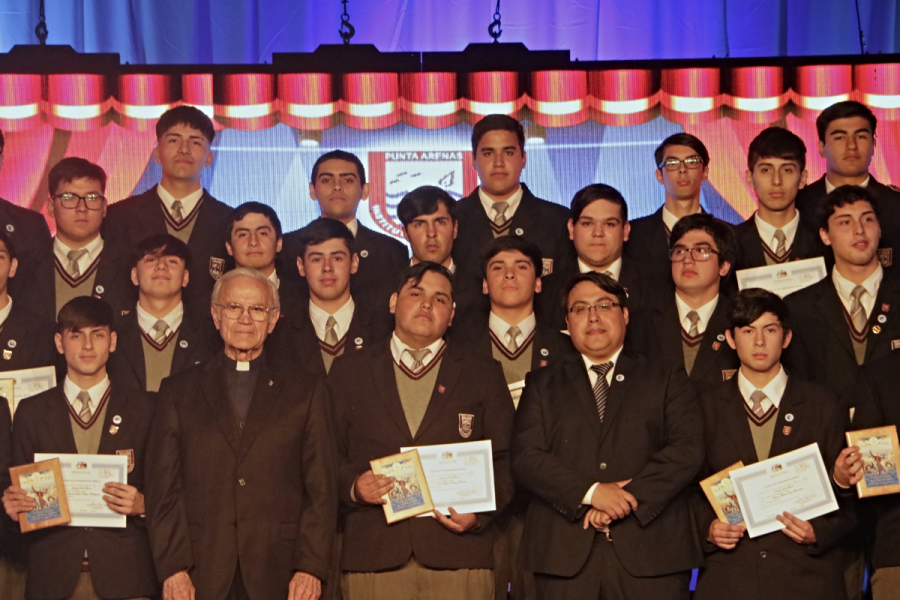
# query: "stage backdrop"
[[592, 125]]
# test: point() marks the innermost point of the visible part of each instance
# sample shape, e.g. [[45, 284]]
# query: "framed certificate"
[[410, 495], [84, 476], [785, 278], [795, 482], [43, 483], [720, 493], [460, 475], [880, 450]]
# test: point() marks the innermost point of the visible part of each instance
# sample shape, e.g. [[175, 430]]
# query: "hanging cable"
[[41, 30], [862, 35], [494, 28], [347, 31]]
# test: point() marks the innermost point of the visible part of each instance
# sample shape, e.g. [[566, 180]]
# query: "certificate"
[[84, 476], [720, 492], [410, 496], [29, 382], [42, 482], [795, 482], [784, 278], [459, 475], [880, 449]]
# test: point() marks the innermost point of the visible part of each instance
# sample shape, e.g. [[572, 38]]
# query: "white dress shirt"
[[188, 203], [488, 203], [501, 328], [592, 376], [71, 391], [146, 321], [773, 390], [705, 312], [401, 357], [767, 232], [844, 288], [94, 248], [343, 316]]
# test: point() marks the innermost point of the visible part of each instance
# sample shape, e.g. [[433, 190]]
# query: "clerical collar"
[[243, 365]]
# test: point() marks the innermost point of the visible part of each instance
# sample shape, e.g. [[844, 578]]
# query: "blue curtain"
[[249, 31]]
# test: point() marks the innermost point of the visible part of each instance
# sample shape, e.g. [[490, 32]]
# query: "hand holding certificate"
[[459, 476], [878, 452], [85, 477]]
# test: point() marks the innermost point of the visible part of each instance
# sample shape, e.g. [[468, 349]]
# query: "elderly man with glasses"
[[242, 499]]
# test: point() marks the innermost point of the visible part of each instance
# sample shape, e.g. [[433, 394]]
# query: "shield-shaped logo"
[[547, 267], [728, 374], [130, 454], [885, 256], [7, 355], [216, 267], [786, 430], [465, 424]]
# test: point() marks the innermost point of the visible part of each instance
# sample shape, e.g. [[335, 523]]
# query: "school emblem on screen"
[[392, 175]]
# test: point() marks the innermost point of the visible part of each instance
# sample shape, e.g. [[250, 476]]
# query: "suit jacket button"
[[602, 466], [763, 554], [241, 482]]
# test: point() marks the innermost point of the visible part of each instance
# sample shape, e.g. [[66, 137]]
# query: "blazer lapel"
[[617, 393], [751, 244], [791, 404], [149, 214], [385, 382], [711, 347], [524, 217], [187, 343], [582, 391], [804, 244], [130, 345], [444, 385], [829, 305], [668, 331], [117, 406], [217, 397], [59, 423], [265, 396], [735, 417], [478, 225], [203, 238]]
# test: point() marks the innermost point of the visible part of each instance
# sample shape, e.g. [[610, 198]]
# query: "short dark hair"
[[597, 191], [512, 243], [416, 272], [844, 110], [681, 139], [247, 208], [752, 303], [604, 282], [320, 231], [776, 142], [339, 155], [424, 200], [840, 197], [497, 123], [7, 241], [71, 168], [161, 244], [191, 116], [720, 232], [84, 311]]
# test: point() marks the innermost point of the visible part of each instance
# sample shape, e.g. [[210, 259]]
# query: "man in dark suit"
[[241, 500], [688, 328], [87, 415], [776, 169], [609, 469], [599, 228], [682, 165], [79, 261], [876, 406], [159, 337], [847, 143], [759, 414], [416, 390], [502, 205], [332, 322], [27, 229], [178, 205], [338, 184]]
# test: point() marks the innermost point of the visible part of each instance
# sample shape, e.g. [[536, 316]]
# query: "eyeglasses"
[[698, 254], [673, 164], [92, 201], [235, 311], [582, 310]]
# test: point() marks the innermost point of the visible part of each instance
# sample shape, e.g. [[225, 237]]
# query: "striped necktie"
[[85, 412], [601, 387]]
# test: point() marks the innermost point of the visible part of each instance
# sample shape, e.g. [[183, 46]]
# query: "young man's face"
[[853, 233], [76, 227], [511, 281], [422, 312], [254, 243], [160, 277], [183, 152], [8, 267], [499, 161], [848, 147], [599, 234], [327, 268], [683, 183], [338, 189], [776, 182], [431, 236], [596, 333], [760, 343], [695, 276], [86, 350]]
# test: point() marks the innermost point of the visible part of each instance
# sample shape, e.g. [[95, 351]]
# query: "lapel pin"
[[876, 329], [271, 383], [7, 354], [620, 377], [716, 345], [542, 363], [789, 417], [720, 337], [894, 345], [520, 231], [882, 319], [545, 352], [117, 420], [11, 343], [113, 429], [786, 430], [10, 228], [358, 341], [99, 289], [364, 254], [885, 308], [183, 343], [441, 389]]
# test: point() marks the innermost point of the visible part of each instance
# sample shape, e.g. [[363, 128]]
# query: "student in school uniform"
[[762, 413], [85, 414], [688, 328], [178, 204], [776, 169]]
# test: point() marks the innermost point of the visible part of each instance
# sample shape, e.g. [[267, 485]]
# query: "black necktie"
[[601, 388]]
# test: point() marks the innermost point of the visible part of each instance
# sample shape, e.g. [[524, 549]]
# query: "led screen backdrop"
[[412, 129]]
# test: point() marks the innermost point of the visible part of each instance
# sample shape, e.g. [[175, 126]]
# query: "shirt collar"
[[94, 248], [670, 220], [4, 312], [71, 392], [615, 268], [488, 203], [274, 279], [398, 347], [705, 312], [830, 188], [451, 267], [188, 203], [773, 390], [588, 363], [767, 232], [501, 327], [343, 316], [353, 226], [146, 321], [845, 286]]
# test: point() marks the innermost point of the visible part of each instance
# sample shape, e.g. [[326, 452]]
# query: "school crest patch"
[[130, 454], [465, 424], [885, 256], [216, 267], [547, 267]]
